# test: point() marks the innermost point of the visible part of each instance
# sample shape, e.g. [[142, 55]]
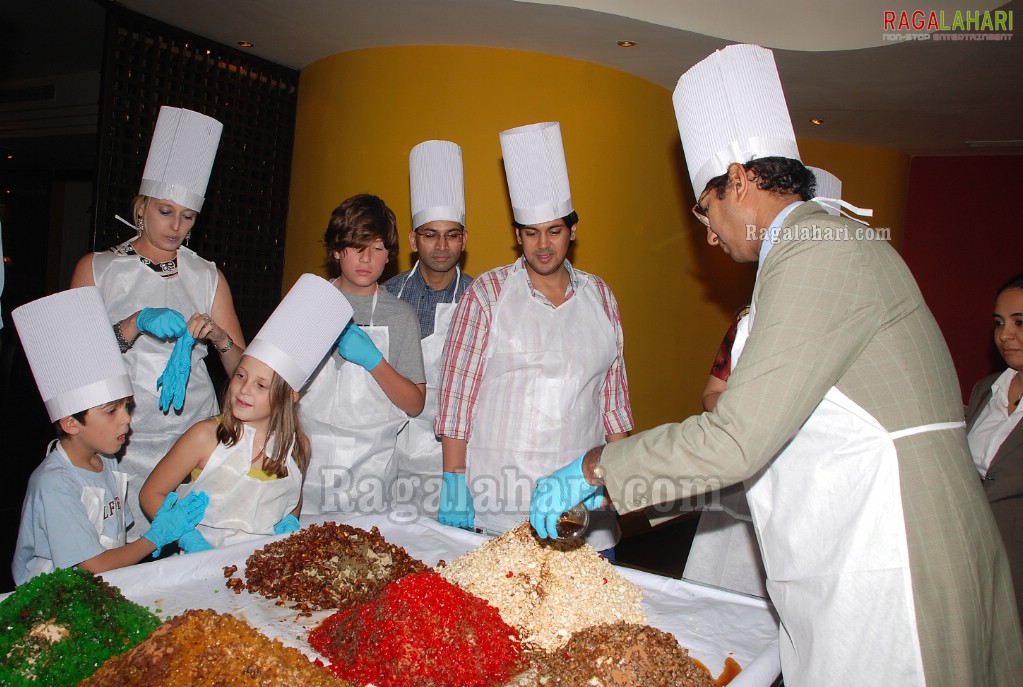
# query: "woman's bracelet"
[[123, 343], [227, 347]]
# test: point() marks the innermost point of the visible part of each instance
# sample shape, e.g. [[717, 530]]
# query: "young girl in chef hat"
[[251, 461]]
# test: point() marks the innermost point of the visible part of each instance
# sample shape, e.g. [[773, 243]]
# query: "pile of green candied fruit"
[[57, 628]]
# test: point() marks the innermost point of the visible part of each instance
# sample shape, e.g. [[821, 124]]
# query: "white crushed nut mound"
[[545, 589]]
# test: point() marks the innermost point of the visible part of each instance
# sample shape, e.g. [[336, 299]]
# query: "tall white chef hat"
[[534, 164], [181, 157], [435, 180], [302, 329], [829, 187], [72, 351], [730, 108]]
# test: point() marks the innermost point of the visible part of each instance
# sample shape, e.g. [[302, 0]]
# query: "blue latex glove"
[[289, 523], [163, 323], [555, 494], [174, 381], [355, 346], [596, 501], [175, 518], [456, 502], [193, 542]]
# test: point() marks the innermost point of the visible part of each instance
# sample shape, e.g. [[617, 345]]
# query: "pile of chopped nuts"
[[547, 590], [327, 566], [622, 655]]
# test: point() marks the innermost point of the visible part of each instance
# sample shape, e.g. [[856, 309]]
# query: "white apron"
[[352, 427], [418, 453], [836, 556], [128, 286], [539, 404], [242, 507], [95, 501], [725, 552]]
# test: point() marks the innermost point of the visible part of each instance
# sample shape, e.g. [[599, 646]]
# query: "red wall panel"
[[963, 238]]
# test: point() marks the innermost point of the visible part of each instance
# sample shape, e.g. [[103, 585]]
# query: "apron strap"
[[920, 429], [405, 282]]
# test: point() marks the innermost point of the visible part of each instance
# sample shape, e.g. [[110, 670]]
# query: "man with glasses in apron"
[[433, 287], [844, 419]]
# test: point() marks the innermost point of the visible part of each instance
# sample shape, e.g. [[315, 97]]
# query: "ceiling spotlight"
[[817, 121], [246, 44], [625, 44]]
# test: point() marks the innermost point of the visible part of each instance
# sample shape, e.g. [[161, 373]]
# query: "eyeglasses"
[[701, 214], [453, 236]]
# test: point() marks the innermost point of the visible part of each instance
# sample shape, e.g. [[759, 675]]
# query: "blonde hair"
[[284, 428]]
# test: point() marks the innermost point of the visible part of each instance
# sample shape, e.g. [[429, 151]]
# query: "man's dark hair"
[[356, 223], [570, 220], [783, 175]]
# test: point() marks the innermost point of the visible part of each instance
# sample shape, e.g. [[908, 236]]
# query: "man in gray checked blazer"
[[884, 565], [843, 418]]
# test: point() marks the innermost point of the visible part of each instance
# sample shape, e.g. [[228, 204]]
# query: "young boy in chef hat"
[[74, 511], [252, 460]]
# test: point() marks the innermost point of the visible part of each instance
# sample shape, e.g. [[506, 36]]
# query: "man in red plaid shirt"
[[533, 367]]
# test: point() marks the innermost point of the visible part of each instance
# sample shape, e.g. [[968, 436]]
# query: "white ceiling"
[[923, 97]]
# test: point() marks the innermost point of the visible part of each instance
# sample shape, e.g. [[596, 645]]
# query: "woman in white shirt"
[[995, 431]]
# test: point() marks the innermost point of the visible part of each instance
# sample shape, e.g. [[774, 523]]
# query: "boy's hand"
[[163, 323], [175, 518], [355, 346]]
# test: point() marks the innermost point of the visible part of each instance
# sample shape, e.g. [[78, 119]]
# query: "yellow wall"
[[360, 113], [876, 178]]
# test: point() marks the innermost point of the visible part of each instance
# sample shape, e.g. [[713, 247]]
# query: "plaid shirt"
[[463, 364], [419, 295]]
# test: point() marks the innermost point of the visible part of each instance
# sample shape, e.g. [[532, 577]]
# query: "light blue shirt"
[[773, 231], [771, 238], [54, 524]]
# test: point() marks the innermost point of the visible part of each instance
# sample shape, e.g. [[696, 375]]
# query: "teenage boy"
[[74, 511], [366, 390]]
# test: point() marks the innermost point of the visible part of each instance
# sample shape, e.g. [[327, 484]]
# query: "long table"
[[712, 623]]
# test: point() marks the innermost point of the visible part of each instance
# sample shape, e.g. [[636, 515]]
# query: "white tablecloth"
[[712, 623]]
